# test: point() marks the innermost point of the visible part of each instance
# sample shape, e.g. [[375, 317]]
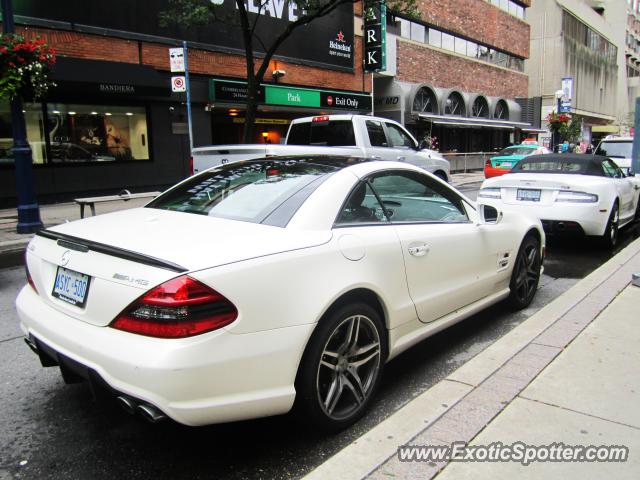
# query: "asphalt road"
[[52, 430]]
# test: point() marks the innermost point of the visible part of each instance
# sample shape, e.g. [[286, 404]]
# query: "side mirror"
[[489, 215]]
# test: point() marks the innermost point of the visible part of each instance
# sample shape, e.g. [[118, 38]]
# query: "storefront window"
[[33, 118], [93, 133], [78, 133]]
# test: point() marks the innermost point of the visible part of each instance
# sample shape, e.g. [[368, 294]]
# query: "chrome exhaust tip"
[[150, 413], [128, 404]]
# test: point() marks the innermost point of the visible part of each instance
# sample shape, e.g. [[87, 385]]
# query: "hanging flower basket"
[[557, 119], [25, 65]]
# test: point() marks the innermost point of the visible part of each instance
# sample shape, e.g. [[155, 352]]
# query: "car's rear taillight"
[[191, 165], [181, 307], [29, 278]]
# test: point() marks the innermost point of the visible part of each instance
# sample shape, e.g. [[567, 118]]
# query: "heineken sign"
[[375, 36], [232, 91]]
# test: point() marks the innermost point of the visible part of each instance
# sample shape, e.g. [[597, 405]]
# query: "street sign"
[[176, 60], [375, 36], [178, 84], [567, 95], [233, 91]]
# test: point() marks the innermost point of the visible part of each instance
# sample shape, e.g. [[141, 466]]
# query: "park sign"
[[375, 36], [235, 92]]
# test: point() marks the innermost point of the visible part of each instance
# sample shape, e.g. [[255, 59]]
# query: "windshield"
[[251, 191], [515, 151], [620, 149]]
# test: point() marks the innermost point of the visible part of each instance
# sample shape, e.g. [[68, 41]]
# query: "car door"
[[449, 261], [380, 148], [624, 187], [403, 145]]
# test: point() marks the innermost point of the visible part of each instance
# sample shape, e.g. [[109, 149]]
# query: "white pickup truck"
[[346, 135]]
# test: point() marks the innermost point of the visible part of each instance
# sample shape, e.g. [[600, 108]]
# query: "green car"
[[505, 160]]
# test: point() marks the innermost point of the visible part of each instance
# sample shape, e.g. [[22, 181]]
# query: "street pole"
[[188, 85], [28, 210]]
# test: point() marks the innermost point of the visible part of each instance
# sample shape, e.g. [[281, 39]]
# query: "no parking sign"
[[178, 84]]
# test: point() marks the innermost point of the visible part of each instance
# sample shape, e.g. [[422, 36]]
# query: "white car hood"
[[189, 240]]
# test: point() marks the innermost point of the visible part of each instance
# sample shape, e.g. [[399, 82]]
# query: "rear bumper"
[[557, 218], [211, 378]]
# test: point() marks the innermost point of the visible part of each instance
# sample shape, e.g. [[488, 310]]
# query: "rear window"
[[515, 151], [255, 191], [334, 133], [580, 167], [619, 149]]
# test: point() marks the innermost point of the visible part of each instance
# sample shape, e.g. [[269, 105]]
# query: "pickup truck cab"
[[346, 135]]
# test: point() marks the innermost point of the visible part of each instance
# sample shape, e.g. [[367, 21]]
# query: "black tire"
[[349, 364], [526, 273], [636, 217], [611, 233], [441, 175]]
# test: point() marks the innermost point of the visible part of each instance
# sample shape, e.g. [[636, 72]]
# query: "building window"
[[448, 42], [97, 133], [480, 107], [502, 111], [34, 121], [581, 34], [425, 101], [455, 105], [436, 38], [73, 133]]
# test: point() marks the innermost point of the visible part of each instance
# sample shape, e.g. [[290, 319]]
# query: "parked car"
[[569, 193], [260, 284], [346, 135], [508, 158], [617, 148]]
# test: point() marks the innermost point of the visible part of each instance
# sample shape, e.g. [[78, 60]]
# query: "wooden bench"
[[124, 195]]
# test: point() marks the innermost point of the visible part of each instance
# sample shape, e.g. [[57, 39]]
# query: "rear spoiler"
[[83, 245]]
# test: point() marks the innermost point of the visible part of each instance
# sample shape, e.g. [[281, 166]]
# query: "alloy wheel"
[[527, 272], [348, 367]]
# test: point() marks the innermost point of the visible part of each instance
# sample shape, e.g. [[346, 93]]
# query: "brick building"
[[112, 122], [456, 72]]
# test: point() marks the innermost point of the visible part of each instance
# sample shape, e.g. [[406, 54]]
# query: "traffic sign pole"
[[188, 85]]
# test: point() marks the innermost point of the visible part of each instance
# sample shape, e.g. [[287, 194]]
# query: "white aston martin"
[[262, 284], [569, 193]]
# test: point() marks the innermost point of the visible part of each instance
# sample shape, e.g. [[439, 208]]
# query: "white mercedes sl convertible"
[[262, 284], [569, 193]]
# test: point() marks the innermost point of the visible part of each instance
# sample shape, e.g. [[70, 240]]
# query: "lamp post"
[[28, 210], [556, 140]]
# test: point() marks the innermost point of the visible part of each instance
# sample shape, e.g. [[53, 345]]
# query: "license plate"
[[528, 195], [71, 286]]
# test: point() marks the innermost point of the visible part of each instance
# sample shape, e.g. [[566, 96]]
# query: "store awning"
[[605, 129], [472, 122], [108, 78]]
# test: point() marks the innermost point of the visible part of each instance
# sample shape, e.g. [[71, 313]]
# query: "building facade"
[[456, 72], [112, 122], [583, 41]]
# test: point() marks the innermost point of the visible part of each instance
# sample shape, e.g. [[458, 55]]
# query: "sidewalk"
[[12, 244], [569, 374]]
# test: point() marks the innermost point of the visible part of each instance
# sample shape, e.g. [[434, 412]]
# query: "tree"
[[207, 12]]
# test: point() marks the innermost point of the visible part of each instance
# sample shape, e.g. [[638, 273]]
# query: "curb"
[[460, 406]]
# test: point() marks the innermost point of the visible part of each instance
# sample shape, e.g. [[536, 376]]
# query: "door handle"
[[401, 159], [418, 250], [375, 157]]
